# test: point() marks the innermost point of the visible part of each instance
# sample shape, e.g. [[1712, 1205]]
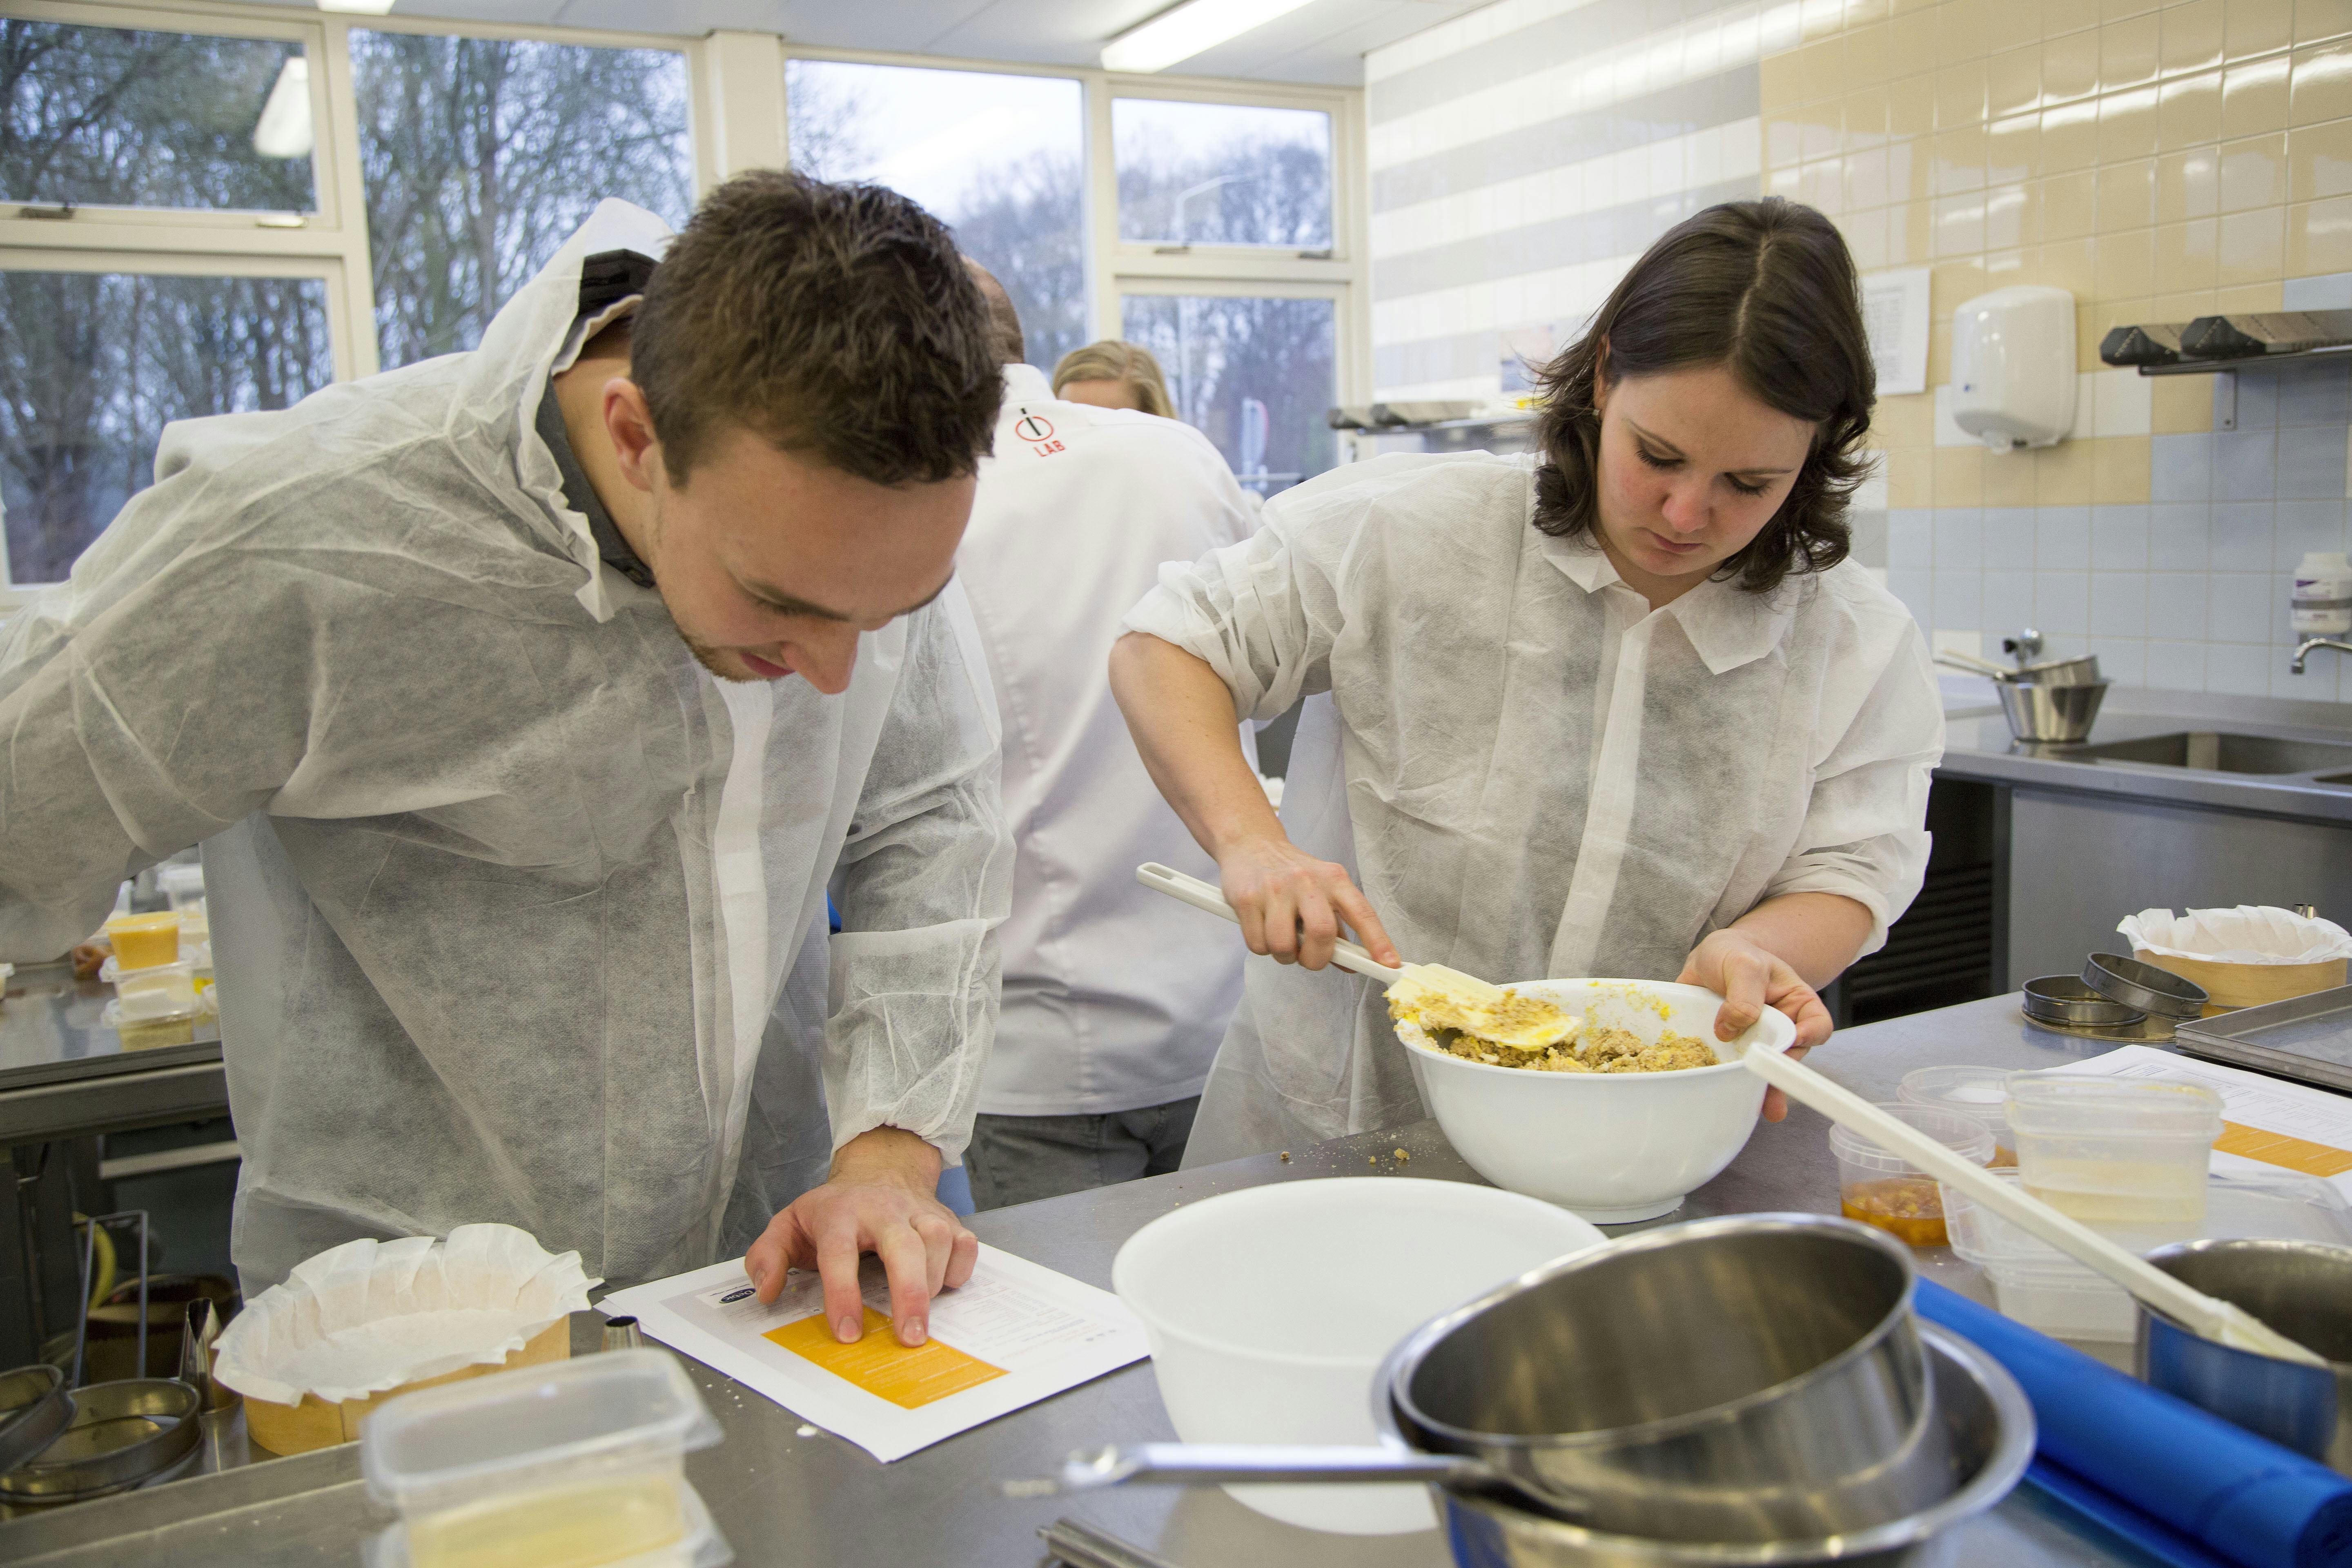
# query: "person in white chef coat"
[[526, 701], [1115, 996], [1622, 708]]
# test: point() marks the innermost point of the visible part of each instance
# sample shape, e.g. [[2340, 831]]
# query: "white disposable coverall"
[[1529, 771], [506, 888], [1115, 996]]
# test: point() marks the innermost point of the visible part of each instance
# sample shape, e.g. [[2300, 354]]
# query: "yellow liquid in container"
[[2121, 1192], [560, 1527], [143, 941]]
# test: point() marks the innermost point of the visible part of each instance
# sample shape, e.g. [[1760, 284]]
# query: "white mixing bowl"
[[1613, 1147], [1269, 1310]]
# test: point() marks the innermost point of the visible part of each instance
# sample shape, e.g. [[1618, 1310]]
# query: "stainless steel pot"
[[1749, 1378], [1987, 1426], [2043, 712], [2304, 1289]]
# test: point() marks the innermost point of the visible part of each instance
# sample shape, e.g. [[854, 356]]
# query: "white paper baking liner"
[[370, 1315], [2251, 933]]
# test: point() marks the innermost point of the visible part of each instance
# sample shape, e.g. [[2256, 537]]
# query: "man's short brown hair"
[[832, 320]]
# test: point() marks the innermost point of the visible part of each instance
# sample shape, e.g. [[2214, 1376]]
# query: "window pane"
[[93, 365], [108, 117], [997, 158], [482, 156], [1254, 375], [1222, 174]]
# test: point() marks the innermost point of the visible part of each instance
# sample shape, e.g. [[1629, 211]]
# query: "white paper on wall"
[[1895, 314]]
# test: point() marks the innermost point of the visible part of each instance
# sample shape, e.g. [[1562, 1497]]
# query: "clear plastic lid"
[[509, 1536], [1963, 1136], [2074, 1106], [2267, 1205], [1979, 1092], [531, 1427]]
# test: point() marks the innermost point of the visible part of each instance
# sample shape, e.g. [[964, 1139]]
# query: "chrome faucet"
[[2295, 668]]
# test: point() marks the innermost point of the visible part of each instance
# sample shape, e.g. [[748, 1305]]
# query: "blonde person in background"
[[1114, 374], [1115, 997]]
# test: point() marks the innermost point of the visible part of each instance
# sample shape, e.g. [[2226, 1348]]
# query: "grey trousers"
[[1020, 1158]]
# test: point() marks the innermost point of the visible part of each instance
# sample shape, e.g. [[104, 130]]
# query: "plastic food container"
[[2113, 1150], [2043, 1288], [1978, 1092], [145, 941], [1885, 1190], [560, 1466]]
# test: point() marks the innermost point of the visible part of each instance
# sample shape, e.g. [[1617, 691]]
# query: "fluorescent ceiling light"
[[363, 8], [1188, 30], [284, 129]]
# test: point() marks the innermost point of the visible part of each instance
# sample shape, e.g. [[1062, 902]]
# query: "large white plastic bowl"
[[1613, 1147], [1269, 1310]]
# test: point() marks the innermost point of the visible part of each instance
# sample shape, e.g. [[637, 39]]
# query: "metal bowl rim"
[[2061, 1008], [2293, 1244], [1394, 1380], [111, 1472], [28, 1428], [2171, 993], [1995, 1478]]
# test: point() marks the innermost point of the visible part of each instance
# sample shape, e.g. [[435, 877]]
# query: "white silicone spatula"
[[2214, 1319], [1346, 954]]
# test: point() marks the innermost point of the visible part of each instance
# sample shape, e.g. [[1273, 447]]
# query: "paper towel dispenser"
[[2014, 366]]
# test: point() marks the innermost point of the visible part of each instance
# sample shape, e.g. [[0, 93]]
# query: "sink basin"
[[2218, 750]]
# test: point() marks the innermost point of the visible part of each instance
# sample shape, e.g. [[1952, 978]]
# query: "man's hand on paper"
[[881, 1198]]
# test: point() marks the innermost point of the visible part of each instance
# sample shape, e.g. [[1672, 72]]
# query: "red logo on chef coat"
[[1039, 433]]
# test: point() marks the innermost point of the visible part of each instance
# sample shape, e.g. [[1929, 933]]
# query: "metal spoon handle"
[[1219, 1464]]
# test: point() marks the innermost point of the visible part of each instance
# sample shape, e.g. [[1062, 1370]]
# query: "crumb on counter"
[[1402, 1156], [1286, 1156]]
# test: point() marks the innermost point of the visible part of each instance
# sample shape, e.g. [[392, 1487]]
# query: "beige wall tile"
[[1961, 95], [1906, 421], [2012, 149], [1960, 476], [2184, 307], [2069, 67], [2009, 479], [2119, 470], [2255, 97], [2318, 19], [2117, 10], [2127, 195], [2067, 264], [1910, 234], [1863, 114], [2320, 237], [1953, 281], [2323, 83], [2185, 257], [2319, 160], [2252, 247], [2070, 136], [1866, 54], [2246, 298], [1911, 43], [2087, 333], [1777, 84], [2127, 124], [1821, 184], [1821, 69], [2127, 51], [1823, 17], [2012, 263], [2012, 20], [1865, 180], [2179, 405], [2062, 474], [1959, 160], [1959, 225], [1911, 477], [2191, 37], [1783, 182], [2188, 184], [1909, 165], [2012, 216], [2062, 17], [1960, 31], [2013, 81], [2253, 172], [1911, 106], [2188, 111], [2124, 265], [1784, 144], [2257, 26], [1821, 125], [1865, 236], [1859, 12], [2070, 205]]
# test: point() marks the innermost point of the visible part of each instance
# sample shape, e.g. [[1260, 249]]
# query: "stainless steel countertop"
[[63, 1074], [1977, 745], [785, 1499]]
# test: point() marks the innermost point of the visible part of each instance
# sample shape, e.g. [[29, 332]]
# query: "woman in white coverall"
[[1622, 708]]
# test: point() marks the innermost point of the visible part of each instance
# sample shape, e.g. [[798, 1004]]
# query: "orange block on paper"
[[883, 1367], [2278, 1149]]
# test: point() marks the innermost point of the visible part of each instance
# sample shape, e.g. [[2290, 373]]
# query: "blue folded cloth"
[[2237, 1495]]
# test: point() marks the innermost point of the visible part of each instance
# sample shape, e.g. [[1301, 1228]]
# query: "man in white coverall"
[[526, 701], [1115, 996]]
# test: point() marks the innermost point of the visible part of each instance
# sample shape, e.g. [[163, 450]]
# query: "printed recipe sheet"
[[1015, 1333]]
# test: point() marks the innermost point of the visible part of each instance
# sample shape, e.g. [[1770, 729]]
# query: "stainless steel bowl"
[[121, 1433], [2065, 999], [2045, 711], [1750, 1378], [2302, 1289], [2082, 671], [34, 1406], [2133, 984], [1986, 1423]]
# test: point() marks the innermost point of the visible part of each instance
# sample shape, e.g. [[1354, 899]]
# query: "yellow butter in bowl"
[[145, 941]]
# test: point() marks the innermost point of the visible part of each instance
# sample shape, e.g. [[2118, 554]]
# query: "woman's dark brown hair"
[[1767, 290]]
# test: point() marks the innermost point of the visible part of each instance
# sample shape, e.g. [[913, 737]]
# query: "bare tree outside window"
[[93, 365], [999, 159], [482, 155], [1254, 374]]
